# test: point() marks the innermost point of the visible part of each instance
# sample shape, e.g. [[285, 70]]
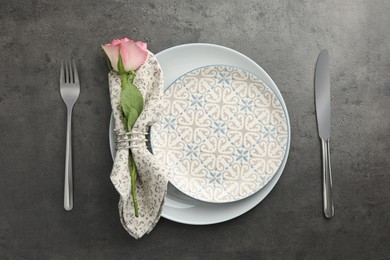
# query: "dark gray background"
[[284, 37]]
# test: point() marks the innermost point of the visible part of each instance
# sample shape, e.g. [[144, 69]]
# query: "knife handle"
[[327, 180]]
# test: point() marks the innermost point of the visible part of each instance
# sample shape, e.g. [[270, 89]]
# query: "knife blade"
[[323, 111]]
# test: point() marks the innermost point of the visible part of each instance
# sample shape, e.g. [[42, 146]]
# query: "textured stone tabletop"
[[284, 38]]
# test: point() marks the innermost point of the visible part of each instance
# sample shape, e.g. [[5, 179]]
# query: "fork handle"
[[68, 187], [327, 180]]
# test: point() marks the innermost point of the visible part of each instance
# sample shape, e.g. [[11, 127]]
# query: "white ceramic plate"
[[222, 135], [175, 62]]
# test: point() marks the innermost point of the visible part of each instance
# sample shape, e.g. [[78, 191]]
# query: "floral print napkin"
[[152, 178]]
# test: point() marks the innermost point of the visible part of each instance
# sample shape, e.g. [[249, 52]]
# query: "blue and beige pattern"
[[222, 135]]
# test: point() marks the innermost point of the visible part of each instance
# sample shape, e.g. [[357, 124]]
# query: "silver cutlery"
[[70, 91], [323, 109]]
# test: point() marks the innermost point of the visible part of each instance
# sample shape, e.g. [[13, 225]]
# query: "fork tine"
[[62, 79], [70, 72], [76, 75], [66, 72]]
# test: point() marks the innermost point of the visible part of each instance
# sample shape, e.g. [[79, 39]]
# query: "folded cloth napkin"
[[152, 178]]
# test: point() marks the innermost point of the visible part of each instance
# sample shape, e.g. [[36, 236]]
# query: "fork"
[[70, 91]]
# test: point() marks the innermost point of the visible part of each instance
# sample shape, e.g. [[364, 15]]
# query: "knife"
[[322, 97]]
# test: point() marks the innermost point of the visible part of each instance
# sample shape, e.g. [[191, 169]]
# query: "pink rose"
[[133, 54]]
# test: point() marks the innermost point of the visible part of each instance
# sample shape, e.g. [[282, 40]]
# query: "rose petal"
[[133, 56], [112, 52], [119, 41], [142, 45], [115, 42], [125, 40]]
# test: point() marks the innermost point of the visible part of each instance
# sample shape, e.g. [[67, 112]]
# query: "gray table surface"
[[284, 37]]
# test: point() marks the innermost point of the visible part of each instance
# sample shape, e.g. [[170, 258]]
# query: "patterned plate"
[[223, 134]]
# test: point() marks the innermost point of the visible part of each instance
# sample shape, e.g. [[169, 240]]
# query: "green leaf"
[[132, 104]]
